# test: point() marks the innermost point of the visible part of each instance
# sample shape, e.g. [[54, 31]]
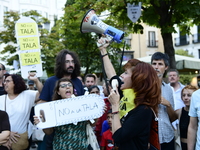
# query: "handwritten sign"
[[71, 110], [30, 58], [29, 43]]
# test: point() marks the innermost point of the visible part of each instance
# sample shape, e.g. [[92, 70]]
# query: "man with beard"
[[173, 78], [2, 72], [67, 65], [166, 113]]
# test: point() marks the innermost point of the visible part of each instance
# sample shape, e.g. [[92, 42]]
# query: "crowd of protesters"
[[141, 111]]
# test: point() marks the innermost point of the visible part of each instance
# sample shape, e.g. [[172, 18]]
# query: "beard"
[[69, 70]]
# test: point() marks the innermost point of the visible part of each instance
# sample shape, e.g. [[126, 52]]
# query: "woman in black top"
[[182, 114], [4, 130], [135, 131]]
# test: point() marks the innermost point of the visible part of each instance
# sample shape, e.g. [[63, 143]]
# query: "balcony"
[[196, 38], [152, 43], [181, 41]]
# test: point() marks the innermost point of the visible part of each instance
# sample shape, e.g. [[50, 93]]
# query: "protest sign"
[[71, 110], [28, 46]]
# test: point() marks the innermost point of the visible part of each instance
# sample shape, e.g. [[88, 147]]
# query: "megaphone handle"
[[104, 39]]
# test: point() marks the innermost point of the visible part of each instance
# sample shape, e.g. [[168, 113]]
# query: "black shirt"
[[4, 125], [135, 131]]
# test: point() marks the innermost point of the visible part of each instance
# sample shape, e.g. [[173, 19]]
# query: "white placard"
[[134, 11], [28, 41], [71, 110]]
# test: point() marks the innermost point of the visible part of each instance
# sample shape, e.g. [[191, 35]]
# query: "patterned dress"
[[70, 137]]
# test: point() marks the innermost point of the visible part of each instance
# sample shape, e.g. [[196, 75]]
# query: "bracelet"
[[104, 55], [116, 112]]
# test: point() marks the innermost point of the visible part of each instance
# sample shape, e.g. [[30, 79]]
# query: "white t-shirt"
[[195, 112], [19, 109]]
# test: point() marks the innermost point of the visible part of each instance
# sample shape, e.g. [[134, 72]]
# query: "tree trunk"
[[169, 49]]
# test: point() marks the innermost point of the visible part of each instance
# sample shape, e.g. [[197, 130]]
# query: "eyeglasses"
[[69, 62], [66, 85], [7, 81], [1, 69]]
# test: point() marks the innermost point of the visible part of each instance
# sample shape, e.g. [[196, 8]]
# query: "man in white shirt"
[[173, 78]]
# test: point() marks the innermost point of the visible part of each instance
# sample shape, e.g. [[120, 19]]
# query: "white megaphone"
[[91, 23]]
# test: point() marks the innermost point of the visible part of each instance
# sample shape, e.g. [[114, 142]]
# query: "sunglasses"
[[66, 85], [1, 69]]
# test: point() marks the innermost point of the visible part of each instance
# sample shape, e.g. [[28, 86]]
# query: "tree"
[[163, 14], [183, 53], [49, 41], [83, 44]]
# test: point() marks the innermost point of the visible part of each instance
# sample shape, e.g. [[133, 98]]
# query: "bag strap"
[[156, 117]]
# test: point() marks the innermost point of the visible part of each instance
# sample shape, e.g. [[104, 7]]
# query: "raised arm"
[[39, 85], [109, 69]]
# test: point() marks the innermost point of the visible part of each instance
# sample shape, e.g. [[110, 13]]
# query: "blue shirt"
[[195, 112], [165, 130], [47, 91]]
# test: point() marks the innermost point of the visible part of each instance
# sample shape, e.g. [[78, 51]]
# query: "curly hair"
[[19, 83], [190, 87], [60, 64], [145, 83], [56, 96]]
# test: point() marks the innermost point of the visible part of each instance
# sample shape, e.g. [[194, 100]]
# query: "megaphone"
[[91, 23]]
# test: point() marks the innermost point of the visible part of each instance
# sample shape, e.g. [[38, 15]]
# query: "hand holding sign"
[[71, 110]]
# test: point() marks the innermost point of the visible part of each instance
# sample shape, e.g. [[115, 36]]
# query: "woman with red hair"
[[135, 108], [134, 133]]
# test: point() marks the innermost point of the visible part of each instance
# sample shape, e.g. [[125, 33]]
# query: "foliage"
[[163, 14], [183, 53], [49, 41], [84, 44], [186, 79]]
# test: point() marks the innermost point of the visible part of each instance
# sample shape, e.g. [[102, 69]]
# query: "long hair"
[[60, 64], [190, 87], [145, 83], [19, 83], [56, 96]]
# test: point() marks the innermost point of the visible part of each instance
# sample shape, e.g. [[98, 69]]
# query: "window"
[[152, 39], [5, 9]]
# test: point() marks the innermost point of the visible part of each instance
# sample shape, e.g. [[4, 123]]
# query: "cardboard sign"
[[29, 46], [32, 58], [134, 11], [26, 29], [29, 43], [71, 110]]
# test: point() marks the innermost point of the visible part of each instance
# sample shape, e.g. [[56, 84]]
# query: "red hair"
[[145, 83]]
